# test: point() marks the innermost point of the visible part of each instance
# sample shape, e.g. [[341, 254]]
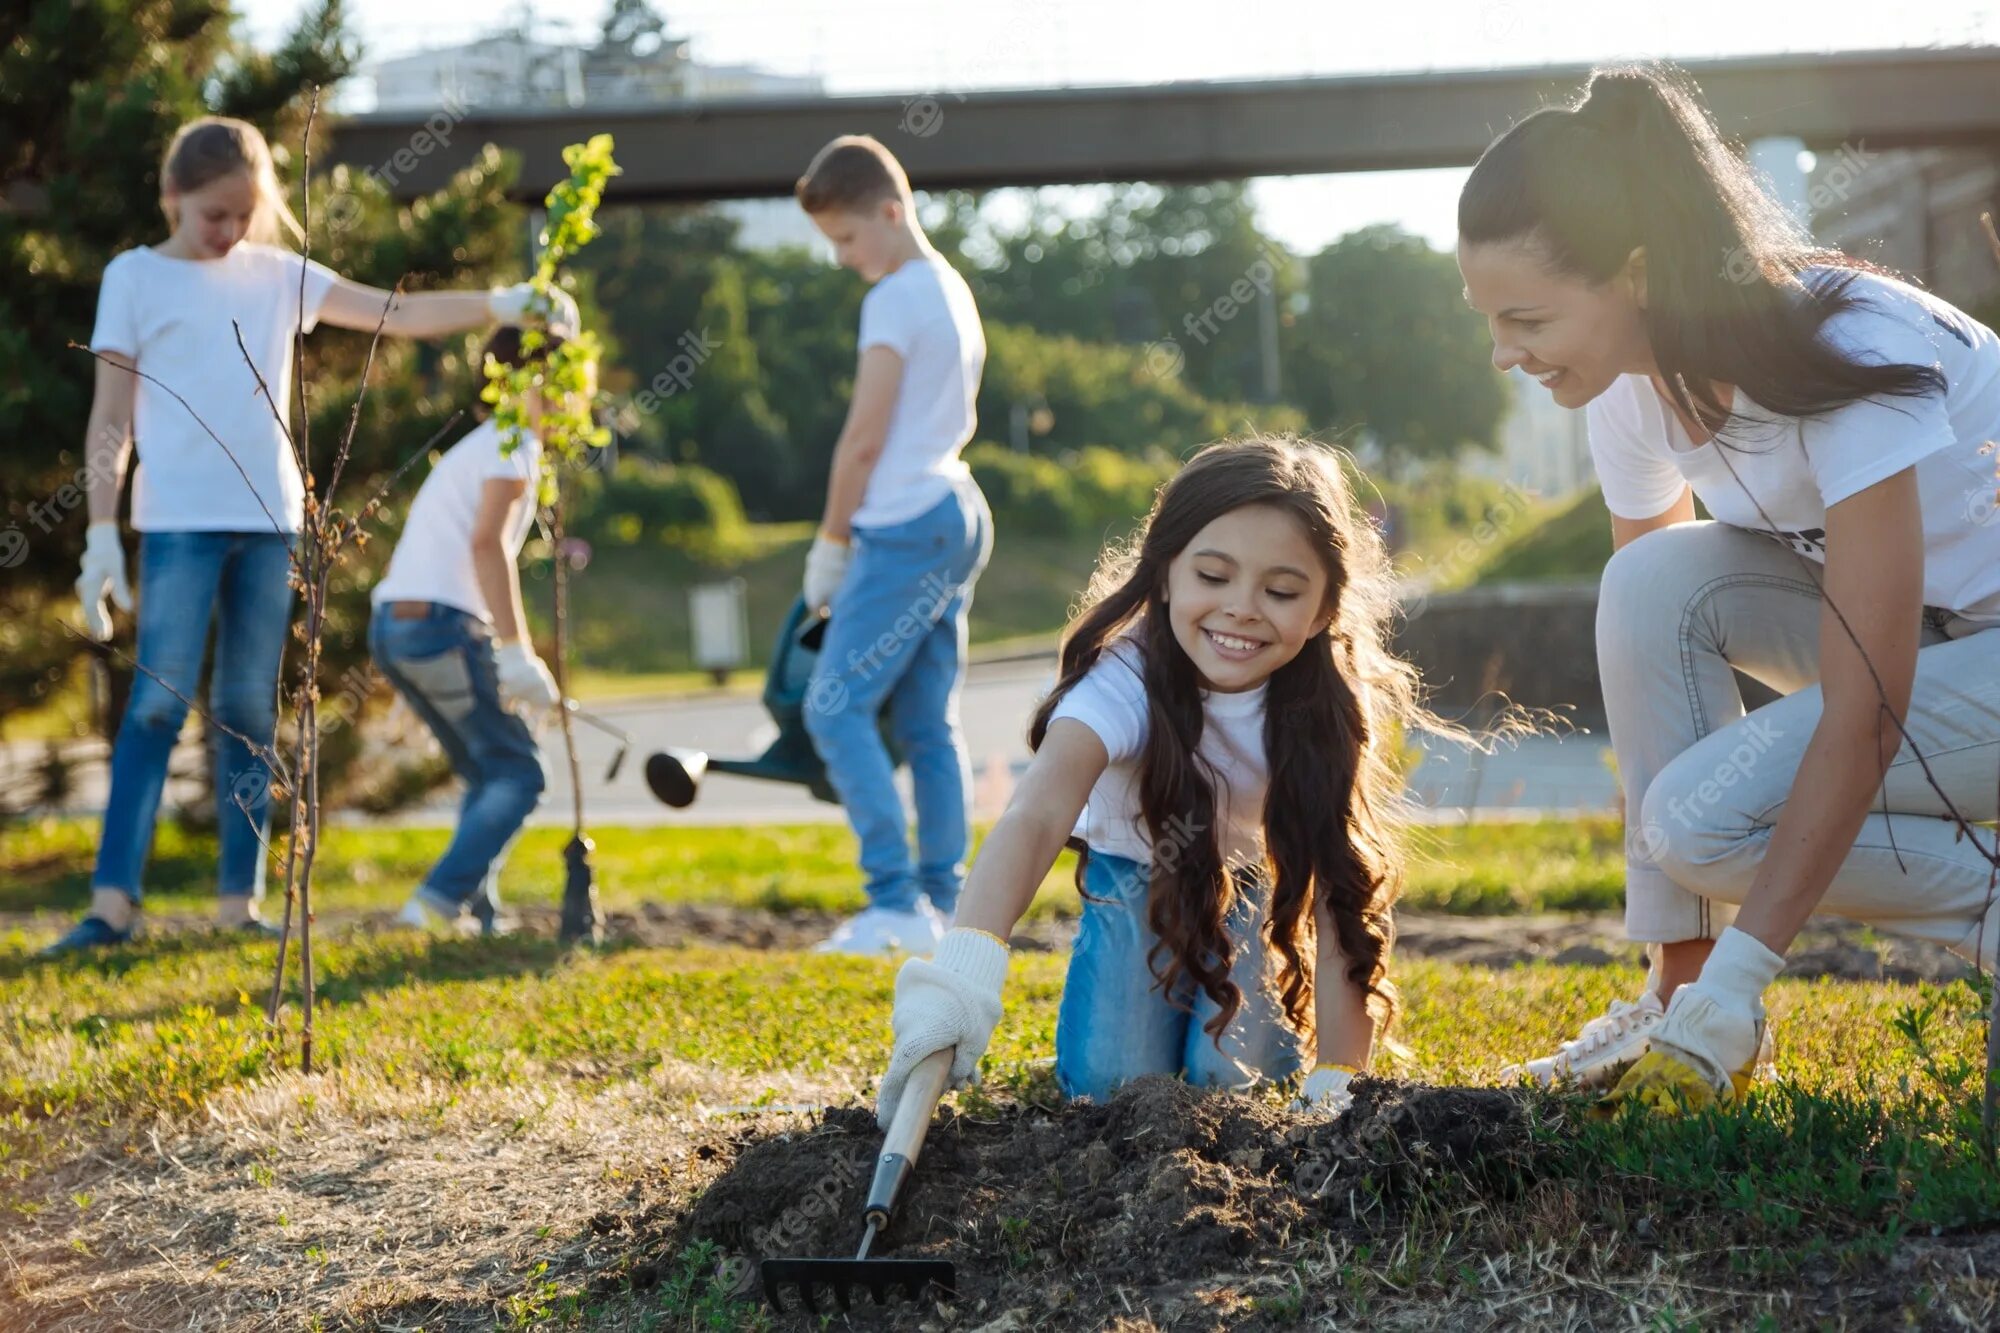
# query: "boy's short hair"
[[504, 346], [853, 173]]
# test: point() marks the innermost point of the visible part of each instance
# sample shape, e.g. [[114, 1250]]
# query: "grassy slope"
[[1570, 545]]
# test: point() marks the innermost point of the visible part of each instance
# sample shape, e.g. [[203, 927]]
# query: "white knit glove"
[[1326, 1091], [1715, 1023], [522, 304], [525, 683], [103, 571], [826, 566], [950, 1000]]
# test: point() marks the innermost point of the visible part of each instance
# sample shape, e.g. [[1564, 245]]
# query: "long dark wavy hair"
[[1637, 161], [1331, 722]]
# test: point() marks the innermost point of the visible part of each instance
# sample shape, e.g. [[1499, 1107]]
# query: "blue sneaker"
[[93, 932]]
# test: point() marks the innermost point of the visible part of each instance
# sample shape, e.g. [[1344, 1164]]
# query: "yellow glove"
[[1703, 1050], [1666, 1084]]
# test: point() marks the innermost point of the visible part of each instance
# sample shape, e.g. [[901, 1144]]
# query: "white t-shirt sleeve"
[[890, 318], [117, 327], [319, 281], [1872, 439], [520, 465], [1111, 701], [1637, 477]]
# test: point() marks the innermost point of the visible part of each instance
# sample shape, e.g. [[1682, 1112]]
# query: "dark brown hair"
[[852, 173], [1637, 161], [504, 346], [1332, 718]]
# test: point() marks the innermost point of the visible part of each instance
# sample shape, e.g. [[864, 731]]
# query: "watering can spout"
[[675, 775]]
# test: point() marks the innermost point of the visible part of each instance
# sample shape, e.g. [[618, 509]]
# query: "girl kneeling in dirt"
[[1836, 422], [1222, 724]]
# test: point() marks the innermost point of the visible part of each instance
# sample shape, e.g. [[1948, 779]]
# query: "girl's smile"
[[1245, 595]]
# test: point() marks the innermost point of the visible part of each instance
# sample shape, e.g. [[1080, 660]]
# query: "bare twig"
[[562, 651], [1990, 1098], [353, 527], [276, 526], [305, 262], [264, 752], [354, 416], [1989, 1104]]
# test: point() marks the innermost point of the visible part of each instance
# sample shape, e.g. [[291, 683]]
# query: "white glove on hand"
[[1715, 1023], [521, 304], [524, 680], [103, 571], [951, 999], [826, 566], [1326, 1090]]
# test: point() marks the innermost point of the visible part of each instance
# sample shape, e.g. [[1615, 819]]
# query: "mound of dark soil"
[[1078, 1215]]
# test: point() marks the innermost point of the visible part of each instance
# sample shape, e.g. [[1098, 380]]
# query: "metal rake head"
[[916, 1278]]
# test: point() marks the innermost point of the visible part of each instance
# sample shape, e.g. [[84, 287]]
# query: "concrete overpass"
[[1173, 132]]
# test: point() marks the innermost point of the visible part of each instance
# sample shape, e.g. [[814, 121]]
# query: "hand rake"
[[900, 1147]]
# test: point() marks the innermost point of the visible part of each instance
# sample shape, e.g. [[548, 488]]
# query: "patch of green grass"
[[1481, 868], [631, 615], [1865, 1138], [1501, 868], [158, 1026]]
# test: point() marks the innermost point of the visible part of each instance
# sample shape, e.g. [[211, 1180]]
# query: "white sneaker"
[[882, 930], [1609, 1045], [420, 915]]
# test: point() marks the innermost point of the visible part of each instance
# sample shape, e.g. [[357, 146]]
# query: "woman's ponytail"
[[1637, 164]]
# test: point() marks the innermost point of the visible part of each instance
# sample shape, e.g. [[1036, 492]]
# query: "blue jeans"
[[442, 663], [1115, 1022], [896, 640], [242, 582]]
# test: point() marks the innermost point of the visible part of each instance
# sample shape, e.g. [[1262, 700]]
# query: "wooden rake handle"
[[906, 1133]]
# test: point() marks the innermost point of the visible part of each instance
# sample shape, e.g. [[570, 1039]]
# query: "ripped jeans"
[[442, 663]]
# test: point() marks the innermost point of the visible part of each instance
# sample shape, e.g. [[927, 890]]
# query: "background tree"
[[1386, 344]]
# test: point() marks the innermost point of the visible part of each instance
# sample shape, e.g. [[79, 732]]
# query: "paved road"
[[1539, 774]]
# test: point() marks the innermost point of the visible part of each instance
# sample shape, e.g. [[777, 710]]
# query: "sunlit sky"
[[912, 46]]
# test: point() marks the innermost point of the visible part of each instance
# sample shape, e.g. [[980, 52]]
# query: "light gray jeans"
[[1705, 783]]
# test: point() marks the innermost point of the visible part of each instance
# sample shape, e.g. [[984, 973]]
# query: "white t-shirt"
[[1796, 468], [924, 313], [1111, 701], [173, 317], [433, 561]]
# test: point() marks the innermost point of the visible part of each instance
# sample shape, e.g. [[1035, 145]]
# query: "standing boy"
[[904, 536]]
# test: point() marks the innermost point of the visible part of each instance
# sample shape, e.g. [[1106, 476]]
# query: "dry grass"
[[331, 1202]]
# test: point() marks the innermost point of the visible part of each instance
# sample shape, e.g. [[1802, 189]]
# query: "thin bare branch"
[[277, 413], [360, 392], [305, 262], [264, 752], [353, 526], [276, 526]]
